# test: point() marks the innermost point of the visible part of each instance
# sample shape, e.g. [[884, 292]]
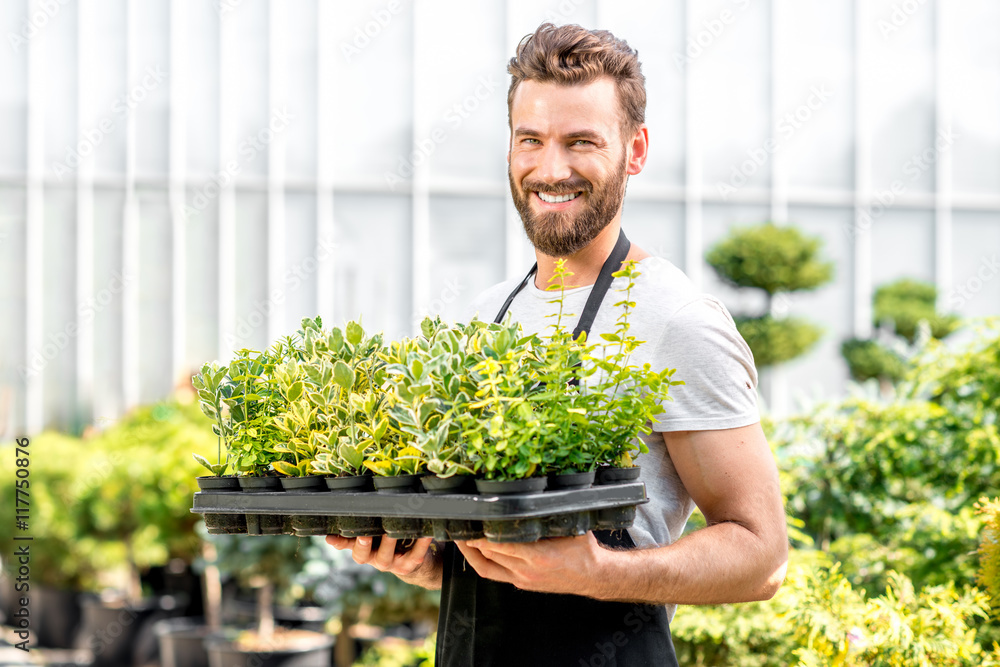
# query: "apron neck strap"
[[612, 264]]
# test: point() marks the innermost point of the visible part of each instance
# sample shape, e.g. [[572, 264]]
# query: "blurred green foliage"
[[906, 303], [888, 494], [777, 260], [775, 341], [772, 258], [119, 500], [899, 308]]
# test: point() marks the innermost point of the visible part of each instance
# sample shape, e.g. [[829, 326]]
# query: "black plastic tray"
[[501, 518]]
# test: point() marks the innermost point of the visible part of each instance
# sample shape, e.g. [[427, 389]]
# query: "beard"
[[560, 233]]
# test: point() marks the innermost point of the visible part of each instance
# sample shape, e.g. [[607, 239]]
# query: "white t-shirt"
[[683, 329]]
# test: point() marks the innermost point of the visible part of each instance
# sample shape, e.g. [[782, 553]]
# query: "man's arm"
[[420, 565], [740, 556]]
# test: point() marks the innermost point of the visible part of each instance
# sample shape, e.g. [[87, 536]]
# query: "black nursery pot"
[[308, 524], [222, 653], [264, 524], [570, 524], [571, 480], [514, 530], [114, 634], [398, 484], [608, 475], [56, 616], [182, 642], [505, 486], [353, 526], [223, 524], [454, 484]]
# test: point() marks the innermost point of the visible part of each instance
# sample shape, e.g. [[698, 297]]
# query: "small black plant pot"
[[55, 615], [352, 483], [223, 653], [454, 484], [115, 633], [494, 487], [571, 480], [307, 524], [608, 475], [264, 524], [359, 526], [398, 484], [446, 530], [570, 524], [614, 518], [182, 642], [223, 524], [404, 528], [514, 530], [308, 483]]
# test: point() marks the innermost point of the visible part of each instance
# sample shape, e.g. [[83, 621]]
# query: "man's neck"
[[585, 265]]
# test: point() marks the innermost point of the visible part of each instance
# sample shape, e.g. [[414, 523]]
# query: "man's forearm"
[[429, 574], [719, 564]]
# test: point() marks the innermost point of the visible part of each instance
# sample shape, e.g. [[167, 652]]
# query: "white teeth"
[[552, 199]]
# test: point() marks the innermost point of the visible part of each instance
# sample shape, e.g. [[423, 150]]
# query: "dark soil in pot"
[[308, 524], [182, 642], [264, 524], [454, 484], [403, 528], [398, 484], [223, 524], [505, 486], [571, 480], [457, 529], [609, 475], [359, 526], [513, 530], [288, 648], [614, 518], [568, 525]]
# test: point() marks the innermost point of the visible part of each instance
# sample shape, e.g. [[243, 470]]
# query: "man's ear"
[[638, 150]]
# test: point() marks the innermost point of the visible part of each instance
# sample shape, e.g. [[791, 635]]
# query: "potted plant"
[[270, 566], [137, 514]]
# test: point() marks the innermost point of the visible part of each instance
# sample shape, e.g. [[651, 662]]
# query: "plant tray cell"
[[410, 515]]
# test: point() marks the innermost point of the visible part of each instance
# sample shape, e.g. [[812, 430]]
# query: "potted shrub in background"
[[138, 513], [271, 566]]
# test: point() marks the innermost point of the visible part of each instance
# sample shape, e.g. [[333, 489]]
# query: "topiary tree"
[[898, 310], [777, 260]]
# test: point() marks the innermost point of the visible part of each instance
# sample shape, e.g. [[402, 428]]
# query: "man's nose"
[[554, 165]]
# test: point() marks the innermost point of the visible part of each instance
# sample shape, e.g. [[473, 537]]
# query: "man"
[[576, 111]]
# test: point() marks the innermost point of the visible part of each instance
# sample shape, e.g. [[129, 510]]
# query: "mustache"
[[562, 187]]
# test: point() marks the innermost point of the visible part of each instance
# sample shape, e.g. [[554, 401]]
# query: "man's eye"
[[530, 140], [582, 141]]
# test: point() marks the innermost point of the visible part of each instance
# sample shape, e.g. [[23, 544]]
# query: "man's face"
[[567, 162]]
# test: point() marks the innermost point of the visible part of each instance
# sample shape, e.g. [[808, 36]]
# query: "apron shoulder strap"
[[612, 264]]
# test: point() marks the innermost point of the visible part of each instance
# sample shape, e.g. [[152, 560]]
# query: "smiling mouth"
[[558, 199]]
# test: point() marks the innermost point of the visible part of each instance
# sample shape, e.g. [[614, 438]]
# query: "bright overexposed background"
[[180, 178]]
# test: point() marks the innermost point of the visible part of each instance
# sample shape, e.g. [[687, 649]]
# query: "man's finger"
[[362, 550], [412, 559], [339, 541], [483, 566], [386, 553]]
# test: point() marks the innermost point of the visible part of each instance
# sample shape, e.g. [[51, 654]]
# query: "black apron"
[[486, 623]]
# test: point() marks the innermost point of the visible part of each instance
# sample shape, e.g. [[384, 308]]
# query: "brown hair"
[[570, 55]]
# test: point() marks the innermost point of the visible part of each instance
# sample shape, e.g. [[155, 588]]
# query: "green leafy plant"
[[777, 260], [212, 393], [905, 303]]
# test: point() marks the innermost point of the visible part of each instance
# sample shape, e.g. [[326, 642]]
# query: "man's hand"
[[739, 557], [559, 565], [419, 565]]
